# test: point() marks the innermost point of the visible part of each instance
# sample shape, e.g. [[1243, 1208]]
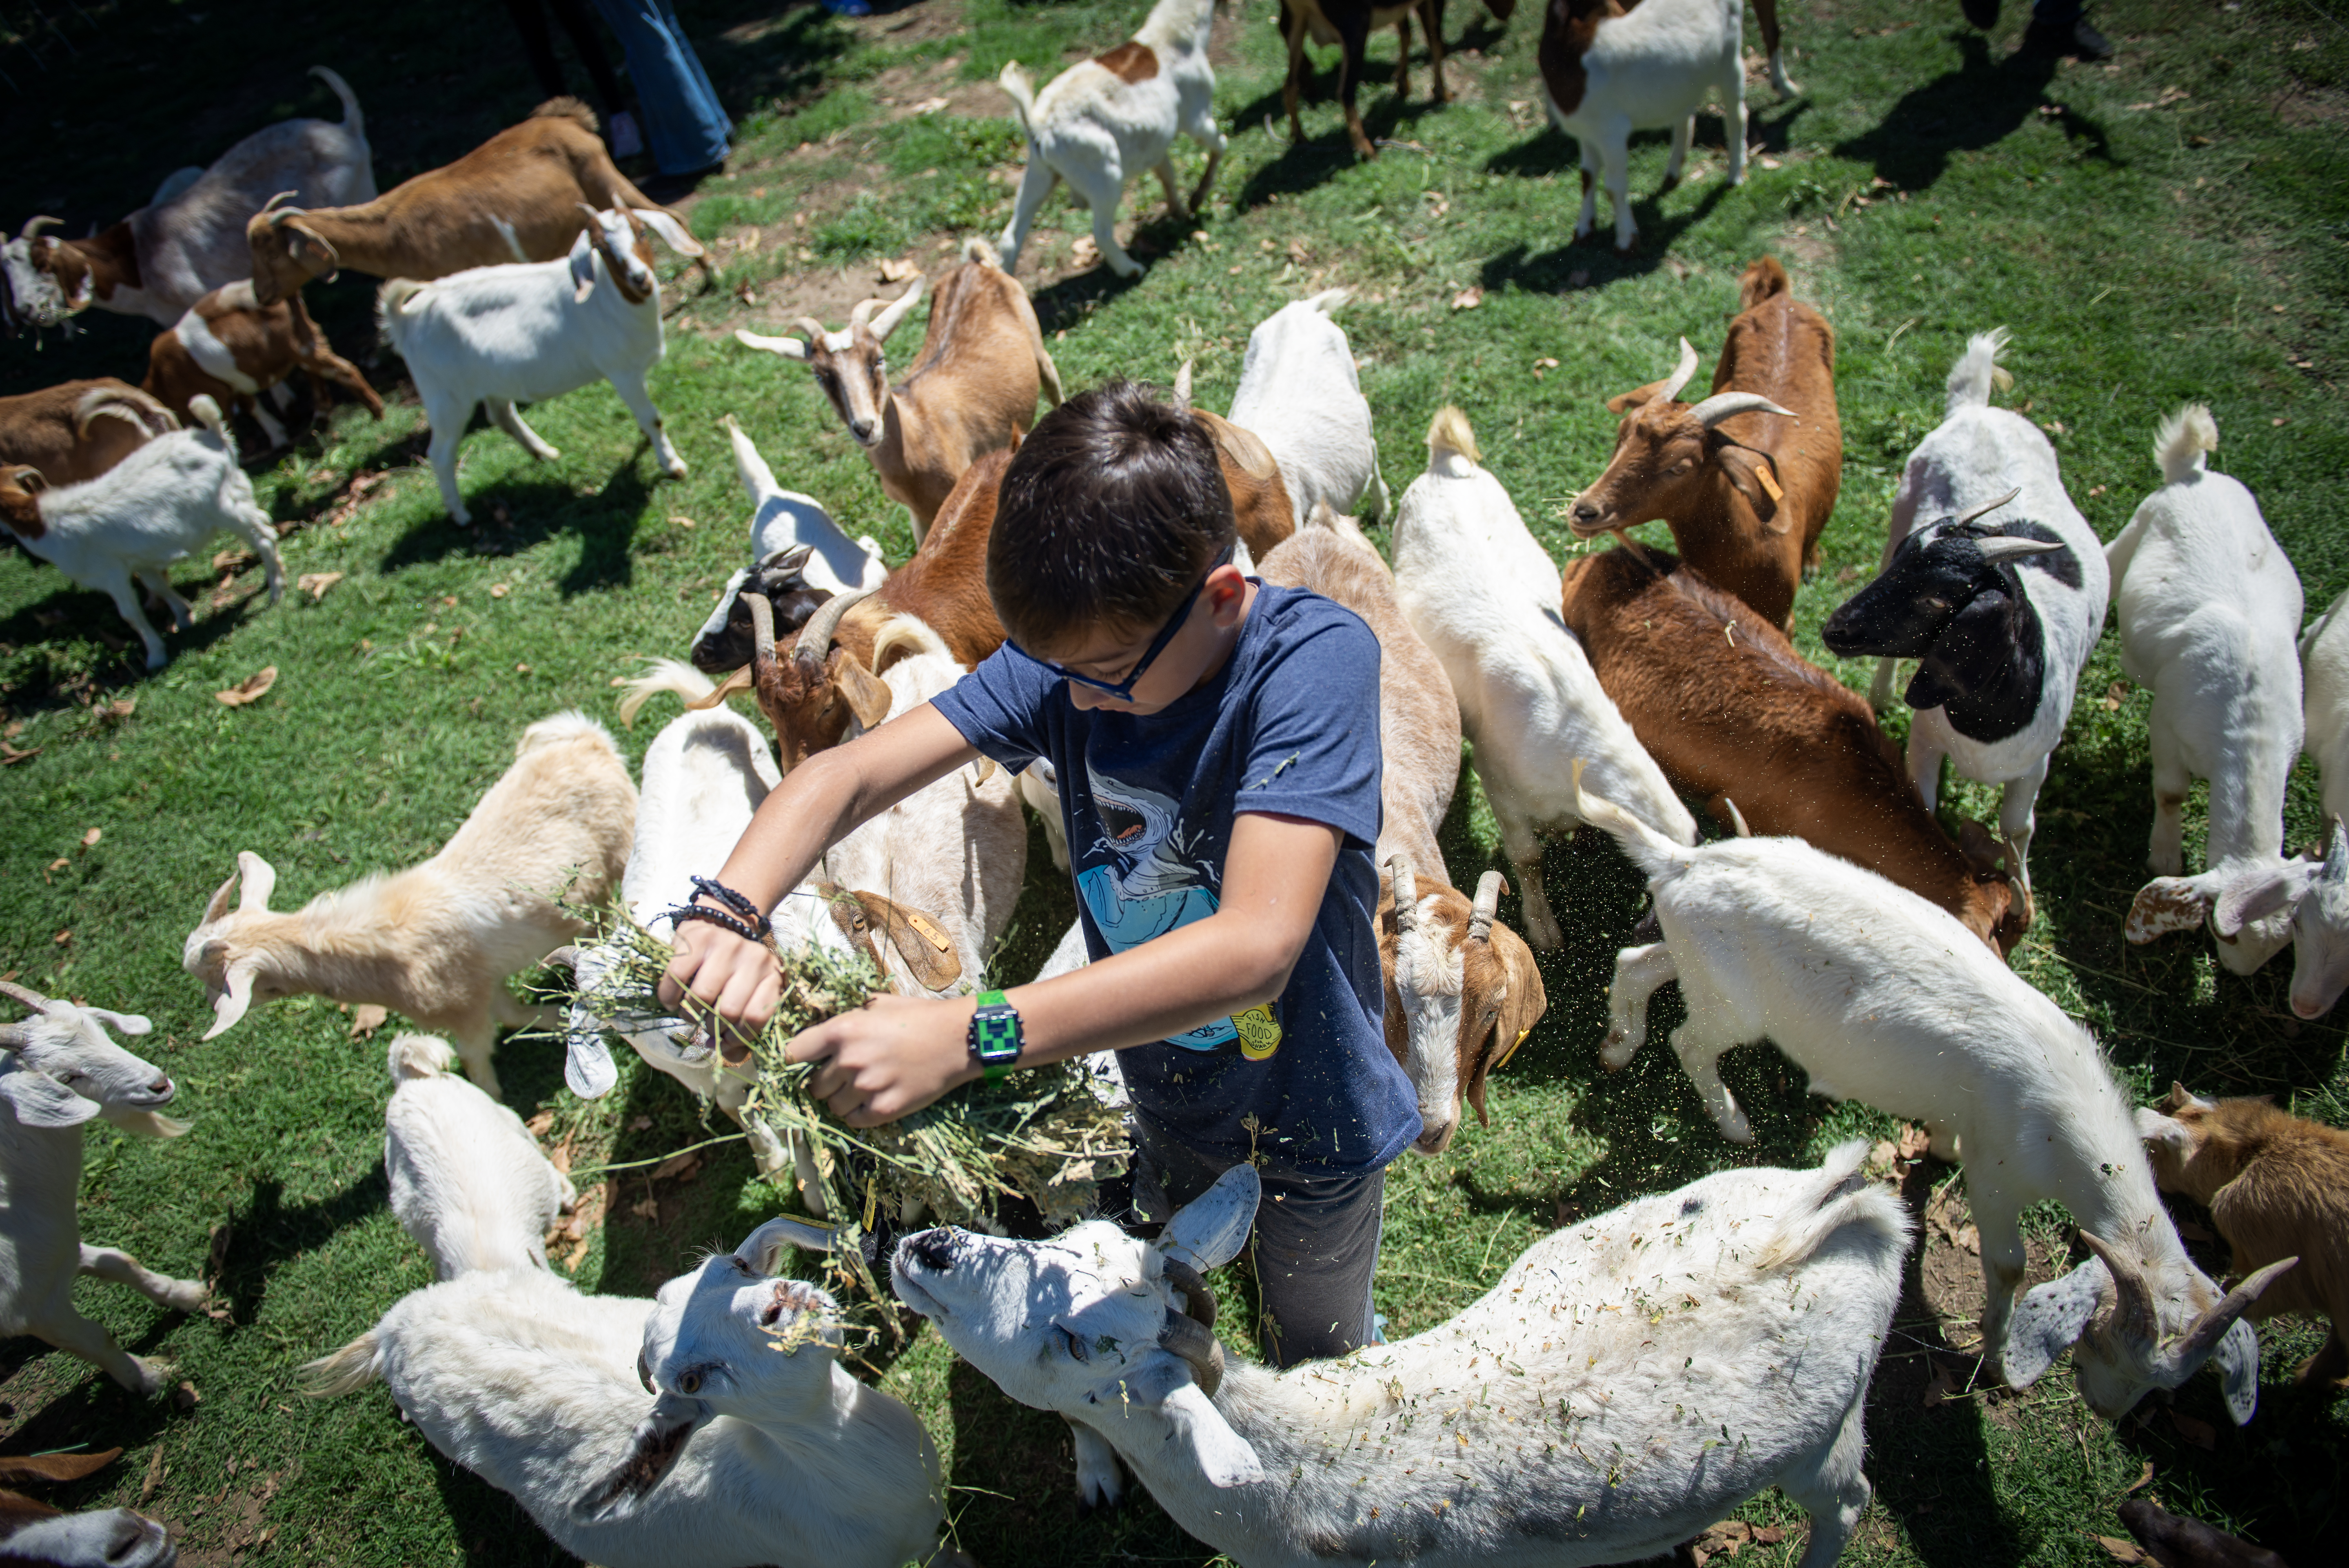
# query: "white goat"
[[757, 1446], [2324, 670], [1299, 394], [438, 940], [468, 1183], [2208, 607], [529, 331], [35, 1535], [1595, 1448], [2002, 615], [1885, 998], [148, 512], [1652, 69], [1484, 595], [1104, 120], [58, 1069]]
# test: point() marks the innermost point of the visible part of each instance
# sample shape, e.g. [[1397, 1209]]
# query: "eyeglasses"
[[1123, 690]]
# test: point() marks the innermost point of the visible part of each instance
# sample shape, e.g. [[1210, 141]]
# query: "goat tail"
[[1765, 279], [1976, 368], [346, 1371], [1329, 299], [1449, 432], [391, 307], [555, 728], [1847, 1198], [131, 404], [675, 676], [417, 1057], [2184, 437], [1014, 83], [983, 252], [1651, 850], [570, 109], [353, 121]]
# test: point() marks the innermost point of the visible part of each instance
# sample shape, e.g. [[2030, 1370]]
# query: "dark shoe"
[[1982, 14], [2078, 40]]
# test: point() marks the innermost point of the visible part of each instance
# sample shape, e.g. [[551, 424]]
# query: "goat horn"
[[1679, 379], [563, 958], [1985, 508], [2201, 1340], [1729, 405], [35, 224], [763, 631], [33, 1000], [814, 329], [1737, 818], [2132, 1297], [1198, 1301], [2336, 856], [2006, 547], [279, 200], [862, 314], [1406, 892], [1183, 388], [815, 637], [1487, 905], [1189, 1338]]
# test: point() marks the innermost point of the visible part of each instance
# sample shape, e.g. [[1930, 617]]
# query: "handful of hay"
[[1041, 1132]]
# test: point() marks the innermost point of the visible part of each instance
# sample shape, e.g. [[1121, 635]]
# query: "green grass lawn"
[[2172, 226]]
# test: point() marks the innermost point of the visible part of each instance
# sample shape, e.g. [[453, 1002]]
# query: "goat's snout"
[[865, 431], [933, 1250], [161, 1088], [1435, 1136]]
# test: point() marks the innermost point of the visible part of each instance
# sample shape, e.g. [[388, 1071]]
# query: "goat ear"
[[219, 907], [868, 694], [235, 997], [40, 1101], [122, 1023], [1163, 1381], [583, 265], [2237, 1360], [2047, 1321], [762, 1249], [2254, 896], [1744, 470], [2165, 905], [672, 232], [312, 249], [788, 347], [2152, 1127], [1209, 1231], [587, 1066], [659, 1438], [260, 880]]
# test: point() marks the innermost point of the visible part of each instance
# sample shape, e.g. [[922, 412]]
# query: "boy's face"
[[1196, 652]]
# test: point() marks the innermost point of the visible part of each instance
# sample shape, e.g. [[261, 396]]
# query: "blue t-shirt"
[[1290, 724]]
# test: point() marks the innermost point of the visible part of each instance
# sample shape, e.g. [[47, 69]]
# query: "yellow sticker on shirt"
[[1259, 1032]]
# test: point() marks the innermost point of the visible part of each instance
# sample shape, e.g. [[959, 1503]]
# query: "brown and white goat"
[[1748, 477], [1736, 716], [2278, 1187], [230, 346], [1262, 509], [1463, 993], [75, 431], [516, 198], [1349, 24], [972, 391]]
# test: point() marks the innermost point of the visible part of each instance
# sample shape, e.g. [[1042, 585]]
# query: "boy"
[[1216, 742]]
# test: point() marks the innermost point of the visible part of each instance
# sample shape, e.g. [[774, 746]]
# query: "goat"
[[972, 390], [58, 1069], [76, 431], [1606, 74], [1104, 120], [1301, 395], [1349, 24], [468, 1183], [2002, 617], [1401, 1453], [228, 348], [136, 519], [756, 1443], [1746, 493], [1463, 993], [516, 198], [2324, 670], [525, 332], [2278, 1186], [1879, 998], [160, 260], [1483, 594], [2207, 606], [35, 1535], [2174, 1541], [1262, 512], [437, 940]]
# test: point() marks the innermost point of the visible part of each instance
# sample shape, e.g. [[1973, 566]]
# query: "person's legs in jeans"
[[684, 121]]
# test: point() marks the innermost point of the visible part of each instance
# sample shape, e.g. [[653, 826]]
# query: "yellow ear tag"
[[1769, 481], [871, 1202], [1259, 1032], [1503, 1060]]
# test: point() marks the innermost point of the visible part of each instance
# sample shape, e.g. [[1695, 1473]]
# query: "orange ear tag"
[[1769, 481], [1259, 1032], [1503, 1060]]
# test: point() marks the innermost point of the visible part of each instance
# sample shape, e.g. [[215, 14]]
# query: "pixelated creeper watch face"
[[998, 1037]]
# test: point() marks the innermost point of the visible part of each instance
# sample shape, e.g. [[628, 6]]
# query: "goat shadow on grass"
[[73, 611], [492, 1530], [1978, 105], [1593, 261], [1071, 301], [89, 1410], [266, 1232], [536, 510], [1305, 165], [1016, 1470]]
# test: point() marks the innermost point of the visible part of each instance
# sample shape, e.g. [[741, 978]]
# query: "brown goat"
[[230, 346], [2278, 1187], [1747, 478], [972, 391], [516, 198], [72, 432], [1731, 712]]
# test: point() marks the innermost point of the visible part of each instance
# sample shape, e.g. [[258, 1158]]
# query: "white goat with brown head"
[[1463, 993]]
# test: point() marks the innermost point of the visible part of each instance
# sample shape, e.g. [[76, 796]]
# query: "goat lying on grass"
[[468, 1183]]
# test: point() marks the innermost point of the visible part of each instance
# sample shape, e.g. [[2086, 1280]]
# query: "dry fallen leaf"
[[154, 1475], [1468, 298], [2201, 1434], [89, 839], [929, 105], [1768, 162], [250, 689], [539, 1124], [897, 269], [231, 559], [1085, 253], [2142, 1476], [2123, 1551], [366, 1018], [186, 1398], [10, 754], [1915, 1142], [645, 1208], [1944, 1384], [640, 1124], [679, 1167], [60, 864], [315, 583], [499, 589]]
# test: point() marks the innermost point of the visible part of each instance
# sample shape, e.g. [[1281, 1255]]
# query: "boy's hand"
[[889, 1057], [737, 978]]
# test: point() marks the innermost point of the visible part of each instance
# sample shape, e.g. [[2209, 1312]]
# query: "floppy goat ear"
[[2153, 1127], [1164, 1381], [2256, 895], [672, 233], [40, 1101], [1209, 1231], [2048, 1320], [582, 266]]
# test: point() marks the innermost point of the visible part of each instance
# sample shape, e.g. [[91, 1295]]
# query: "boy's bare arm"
[[818, 803], [897, 1055]]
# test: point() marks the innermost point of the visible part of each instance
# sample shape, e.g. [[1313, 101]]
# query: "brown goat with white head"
[[2278, 1186], [972, 391], [1463, 993], [1747, 477]]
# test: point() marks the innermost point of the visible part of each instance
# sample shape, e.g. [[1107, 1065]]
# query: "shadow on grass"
[[1979, 104], [72, 611], [491, 1528], [1303, 165], [266, 1232], [513, 514]]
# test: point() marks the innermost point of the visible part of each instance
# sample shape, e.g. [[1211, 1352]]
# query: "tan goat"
[[1463, 993], [438, 940], [1748, 477], [230, 346], [78, 429], [516, 198]]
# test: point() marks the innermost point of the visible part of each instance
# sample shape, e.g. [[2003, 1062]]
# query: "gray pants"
[[1315, 1246]]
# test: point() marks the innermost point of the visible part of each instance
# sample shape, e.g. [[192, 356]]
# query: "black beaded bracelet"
[[742, 928], [744, 910]]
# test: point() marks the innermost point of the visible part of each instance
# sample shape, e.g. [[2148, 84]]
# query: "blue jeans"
[[684, 123]]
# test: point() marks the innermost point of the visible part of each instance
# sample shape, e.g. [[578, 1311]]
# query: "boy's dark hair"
[[1109, 514]]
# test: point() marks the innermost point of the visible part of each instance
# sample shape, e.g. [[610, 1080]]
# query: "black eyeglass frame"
[[1123, 690]]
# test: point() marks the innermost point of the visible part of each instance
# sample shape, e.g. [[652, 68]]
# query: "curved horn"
[[31, 999], [279, 200], [815, 637], [895, 310], [1183, 388], [1737, 818], [1406, 892], [763, 631], [1729, 405], [1985, 508], [2132, 1312], [2336, 856], [1202, 1351], [814, 331], [2196, 1346], [1679, 379], [36, 223], [1487, 905], [861, 313], [1998, 548], [563, 958], [12, 1036], [1198, 1301]]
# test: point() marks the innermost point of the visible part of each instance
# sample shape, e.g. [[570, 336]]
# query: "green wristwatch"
[[995, 1035]]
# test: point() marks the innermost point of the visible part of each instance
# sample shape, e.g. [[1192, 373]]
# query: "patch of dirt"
[[2313, 105], [227, 1527]]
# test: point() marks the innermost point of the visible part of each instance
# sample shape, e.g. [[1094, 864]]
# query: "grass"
[[2175, 225]]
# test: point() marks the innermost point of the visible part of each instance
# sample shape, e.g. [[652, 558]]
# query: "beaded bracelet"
[[719, 917], [743, 908]]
